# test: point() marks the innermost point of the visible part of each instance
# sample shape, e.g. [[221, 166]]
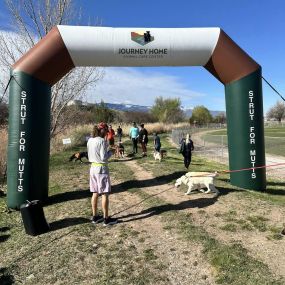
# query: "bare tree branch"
[[32, 20]]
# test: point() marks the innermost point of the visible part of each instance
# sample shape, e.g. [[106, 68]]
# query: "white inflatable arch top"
[[66, 47], [101, 46]]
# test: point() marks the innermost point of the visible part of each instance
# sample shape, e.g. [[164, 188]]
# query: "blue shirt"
[[134, 132]]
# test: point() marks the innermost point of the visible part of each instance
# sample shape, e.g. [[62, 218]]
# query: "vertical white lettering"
[[22, 141], [252, 134]]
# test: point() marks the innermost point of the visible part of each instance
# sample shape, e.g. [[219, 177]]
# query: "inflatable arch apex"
[[66, 47]]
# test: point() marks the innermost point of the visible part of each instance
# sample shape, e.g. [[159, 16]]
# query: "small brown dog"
[[163, 153], [79, 156], [119, 150]]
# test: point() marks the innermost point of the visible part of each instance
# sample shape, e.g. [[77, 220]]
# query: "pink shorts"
[[99, 183]]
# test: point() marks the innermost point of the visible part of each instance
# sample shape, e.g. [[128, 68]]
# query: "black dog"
[[79, 156]]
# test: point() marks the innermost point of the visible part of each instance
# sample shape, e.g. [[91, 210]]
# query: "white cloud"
[[132, 86]]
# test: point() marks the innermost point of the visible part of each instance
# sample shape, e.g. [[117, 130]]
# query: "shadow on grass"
[[3, 238], [4, 229], [157, 210], [273, 183], [126, 158], [68, 196], [124, 186], [225, 191], [271, 191], [157, 181], [67, 222], [5, 277]]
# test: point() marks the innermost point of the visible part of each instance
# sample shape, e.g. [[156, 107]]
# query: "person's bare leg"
[[94, 202], [105, 205]]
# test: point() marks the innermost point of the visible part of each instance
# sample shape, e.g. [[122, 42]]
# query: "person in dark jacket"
[[119, 133], [143, 139], [187, 146], [156, 142]]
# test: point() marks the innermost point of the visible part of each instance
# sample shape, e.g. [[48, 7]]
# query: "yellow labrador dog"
[[197, 181]]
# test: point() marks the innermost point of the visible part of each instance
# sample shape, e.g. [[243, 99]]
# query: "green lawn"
[[274, 139]]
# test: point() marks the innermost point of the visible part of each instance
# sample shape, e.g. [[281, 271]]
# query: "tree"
[[277, 111], [167, 110], [101, 113], [220, 118], [201, 115], [136, 116], [32, 20]]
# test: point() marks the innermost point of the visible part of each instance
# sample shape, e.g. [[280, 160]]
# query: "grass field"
[[74, 252], [274, 139]]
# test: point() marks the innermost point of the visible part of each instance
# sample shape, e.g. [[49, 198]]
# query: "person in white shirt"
[[100, 184]]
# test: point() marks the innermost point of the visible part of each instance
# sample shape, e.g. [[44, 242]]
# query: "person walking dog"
[[156, 142], [100, 184], [187, 146]]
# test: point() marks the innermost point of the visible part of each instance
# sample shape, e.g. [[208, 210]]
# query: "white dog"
[[198, 180], [157, 156]]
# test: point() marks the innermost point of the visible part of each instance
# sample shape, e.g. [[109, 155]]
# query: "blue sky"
[[258, 26]]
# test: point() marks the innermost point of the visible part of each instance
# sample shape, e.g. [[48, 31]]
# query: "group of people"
[[139, 135], [136, 134], [99, 152]]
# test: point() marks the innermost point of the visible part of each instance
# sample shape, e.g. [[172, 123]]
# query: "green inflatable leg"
[[246, 131], [29, 139]]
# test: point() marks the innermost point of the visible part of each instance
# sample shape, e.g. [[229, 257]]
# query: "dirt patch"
[[185, 261]]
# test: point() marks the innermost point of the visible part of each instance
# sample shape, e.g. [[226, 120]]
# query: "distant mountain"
[[139, 108], [128, 107]]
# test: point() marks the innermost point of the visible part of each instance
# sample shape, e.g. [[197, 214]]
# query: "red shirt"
[[110, 134]]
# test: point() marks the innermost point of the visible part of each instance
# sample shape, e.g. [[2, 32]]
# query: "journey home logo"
[[142, 38]]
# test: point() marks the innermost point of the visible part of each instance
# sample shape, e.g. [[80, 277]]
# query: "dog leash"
[[237, 170], [132, 206], [251, 168]]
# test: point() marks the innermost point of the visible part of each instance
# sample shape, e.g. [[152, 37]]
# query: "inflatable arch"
[[65, 47]]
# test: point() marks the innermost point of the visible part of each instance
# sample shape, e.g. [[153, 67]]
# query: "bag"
[[33, 218]]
